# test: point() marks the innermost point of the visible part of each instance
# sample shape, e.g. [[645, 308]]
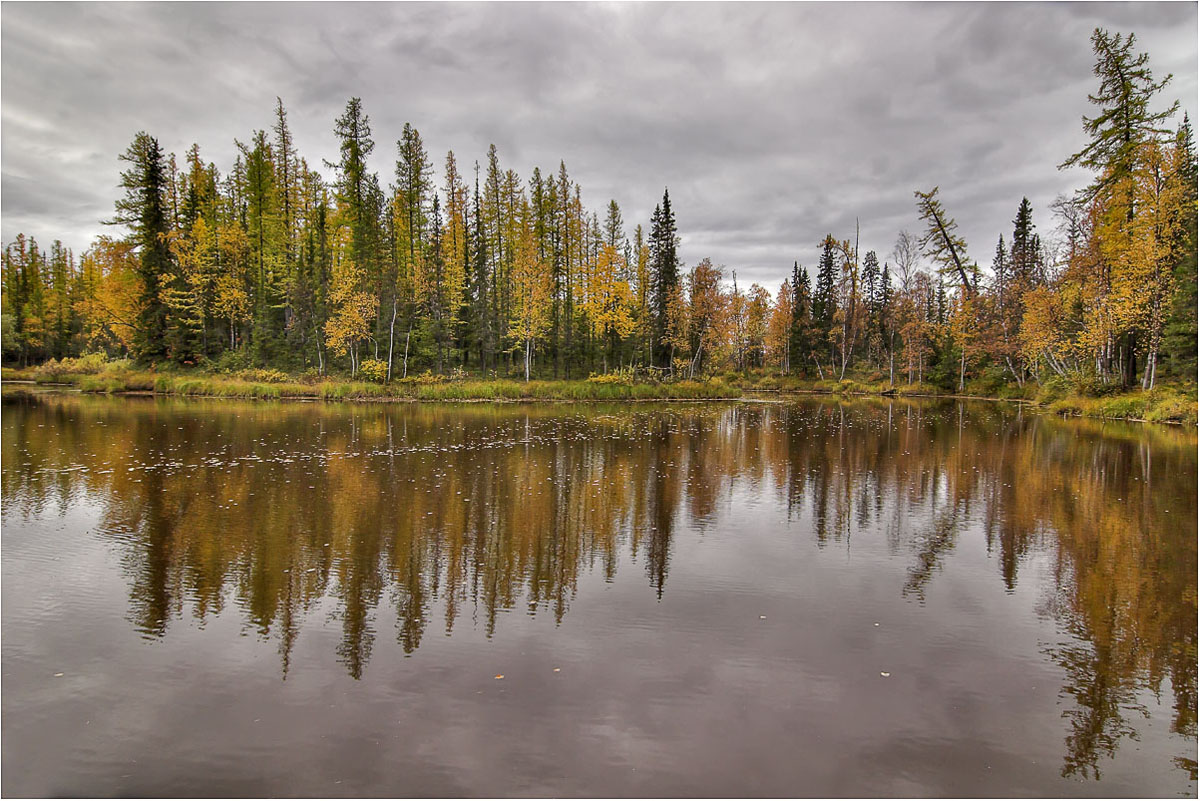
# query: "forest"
[[457, 270]]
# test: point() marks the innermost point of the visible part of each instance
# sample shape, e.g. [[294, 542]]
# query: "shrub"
[[87, 364], [1053, 389], [616, 377], [988, 384], [1087, 385], [429, 378], [231, 361], [262, 375], [374, 370]]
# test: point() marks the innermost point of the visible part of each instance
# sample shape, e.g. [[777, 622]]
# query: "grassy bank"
[[120, 377], [873, 385], [1164, 404]]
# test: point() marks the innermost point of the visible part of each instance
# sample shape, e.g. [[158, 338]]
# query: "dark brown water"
[[811, 598]]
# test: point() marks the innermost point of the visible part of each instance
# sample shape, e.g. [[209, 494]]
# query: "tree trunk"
[[391, 338], [407, 337], [1129, 361]]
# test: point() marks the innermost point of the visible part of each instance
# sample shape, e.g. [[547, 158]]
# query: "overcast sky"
[[771, 124]]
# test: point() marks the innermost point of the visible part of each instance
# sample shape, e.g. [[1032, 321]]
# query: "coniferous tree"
[[942, 243], [264, 228], [886, 319], [870, 289], [1120, 134], [824, 302], [1125, 119], [1025, 246], [484, 332], [353, 130], [408, 283], [1179, 338], [801, 329], [144, 210], [664, 267]]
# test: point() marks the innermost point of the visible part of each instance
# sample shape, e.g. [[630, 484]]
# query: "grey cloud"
[[772, 124]]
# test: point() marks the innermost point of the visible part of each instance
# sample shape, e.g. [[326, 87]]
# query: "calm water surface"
[[808, 598]]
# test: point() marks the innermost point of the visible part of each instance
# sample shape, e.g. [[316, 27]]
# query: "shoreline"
[[516, 392]]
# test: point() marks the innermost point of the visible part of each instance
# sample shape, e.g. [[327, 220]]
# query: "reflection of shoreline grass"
[[1164, 404]]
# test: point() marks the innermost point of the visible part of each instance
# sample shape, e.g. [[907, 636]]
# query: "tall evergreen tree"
[[664, 267], [144, 210], [1179, 340], [1025, 246], [800, 331], [824, 302], [265, 229], [353, 130]]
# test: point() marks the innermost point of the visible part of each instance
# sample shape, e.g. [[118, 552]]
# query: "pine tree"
[[353, 130], [1025, 246], [264, 227], [287, 183], [824, 299], [614, 227], [357, 260], [1179, 338], [484, 332], [144, 210], [885, 314], [800, 326], [408, 285], [870, 300], [664, 269]]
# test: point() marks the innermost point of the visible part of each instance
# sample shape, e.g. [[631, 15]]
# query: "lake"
[[809, 597]]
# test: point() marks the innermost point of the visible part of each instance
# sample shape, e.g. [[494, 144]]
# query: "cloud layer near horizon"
[[772, 124]]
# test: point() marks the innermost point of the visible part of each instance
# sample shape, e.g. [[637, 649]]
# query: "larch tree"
[[707, 316], [942, 243], [610, 302], [532, 285], [1119, 135], [779, 328]]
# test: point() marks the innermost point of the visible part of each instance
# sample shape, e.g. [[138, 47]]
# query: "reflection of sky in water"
[[707, 579]]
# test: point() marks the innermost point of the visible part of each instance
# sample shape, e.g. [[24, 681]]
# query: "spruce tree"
[[1179, 336], [144, 210], [664, 266], [1025, 246], [824, 301], [799, 332]]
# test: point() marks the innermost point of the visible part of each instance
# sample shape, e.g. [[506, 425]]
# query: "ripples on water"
[[812, 598]]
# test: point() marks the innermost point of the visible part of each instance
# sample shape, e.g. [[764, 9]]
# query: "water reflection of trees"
[[277, 507]]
